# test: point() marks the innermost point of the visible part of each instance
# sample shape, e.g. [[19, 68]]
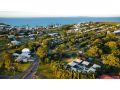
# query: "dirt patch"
[[69, 59]]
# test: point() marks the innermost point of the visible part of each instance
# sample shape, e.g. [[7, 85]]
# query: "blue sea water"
[[44, 21]]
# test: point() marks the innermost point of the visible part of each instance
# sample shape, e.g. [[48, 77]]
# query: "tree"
[[111, 60], [45, 42], [111, 44], [42, 52], [7, 63], [110, 36], [94, 51], [97, 42]]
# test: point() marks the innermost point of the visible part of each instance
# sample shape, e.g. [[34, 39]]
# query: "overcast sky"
[[57, 8]]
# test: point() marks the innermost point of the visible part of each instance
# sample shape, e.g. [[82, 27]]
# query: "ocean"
[[45, 21]]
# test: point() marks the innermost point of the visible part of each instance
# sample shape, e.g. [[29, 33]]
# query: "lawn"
[[68, 60], [9, 73], [45, 72], [112, 23], [23, 66]]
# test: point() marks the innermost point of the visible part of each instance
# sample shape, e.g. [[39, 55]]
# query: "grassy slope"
[[45, 72], [112, 23], [24, 66]]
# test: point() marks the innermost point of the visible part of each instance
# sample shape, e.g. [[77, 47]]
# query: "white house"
[[11, 36], [96, 66], [15, 54], [80, 52], [15, 42], [108, 32], [26, 50], [21, 58], [32, 38], [72, 63], [74, 69], [76, 29], [25, 60], [91, 70], [24, 56], [53, 34], [85, 63], [78, 60], [117, 31]]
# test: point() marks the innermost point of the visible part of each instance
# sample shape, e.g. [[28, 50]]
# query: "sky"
[[57, 8]]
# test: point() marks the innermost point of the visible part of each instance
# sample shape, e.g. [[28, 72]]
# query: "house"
[[26, 50], [11, 36], [15, 42], [53, 34], [32, 38], [117, 31], [96, 66], [15, 54], [90, 59], [2, 27], [108, 32], [26, 53], [74, 69], [81, 66], [72, 63], [91, 70], [20, 36], [31, 35], [21, 58], [21, 33], [86, 63], [24, 56], [80, 52], [78, 60]]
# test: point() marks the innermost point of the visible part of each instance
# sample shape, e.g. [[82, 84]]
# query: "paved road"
[[33, 71], [27, 74], [30, 72]]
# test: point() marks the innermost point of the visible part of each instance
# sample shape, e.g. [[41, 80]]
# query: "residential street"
[[30, 72]]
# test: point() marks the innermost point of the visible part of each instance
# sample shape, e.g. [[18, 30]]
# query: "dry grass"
[[45, 72]]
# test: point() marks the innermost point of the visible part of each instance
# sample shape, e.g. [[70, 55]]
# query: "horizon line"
[[59, 16], [28, 14]]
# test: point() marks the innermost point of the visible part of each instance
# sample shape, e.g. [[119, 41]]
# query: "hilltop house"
[[24, 56]]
